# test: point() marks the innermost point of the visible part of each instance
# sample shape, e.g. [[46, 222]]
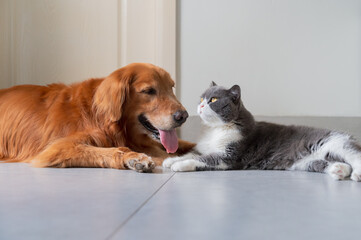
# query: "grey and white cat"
[[234, 140]]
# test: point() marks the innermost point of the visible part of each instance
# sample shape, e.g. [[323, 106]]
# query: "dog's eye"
[[149, 91], [213, 99]]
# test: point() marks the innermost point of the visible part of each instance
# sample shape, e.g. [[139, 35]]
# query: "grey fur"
[[318, 166], [266, 145]]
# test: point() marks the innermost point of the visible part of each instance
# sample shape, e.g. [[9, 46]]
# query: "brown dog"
[[125, 121]]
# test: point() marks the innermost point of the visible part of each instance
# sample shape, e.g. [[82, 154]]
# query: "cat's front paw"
[[168, 162], [186, 165], [356, 175], [339, 171]]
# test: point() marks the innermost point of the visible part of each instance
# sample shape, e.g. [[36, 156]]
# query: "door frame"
[[147, 33]]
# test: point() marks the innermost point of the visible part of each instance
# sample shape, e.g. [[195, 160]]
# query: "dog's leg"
[[184, 147], [77, 152]]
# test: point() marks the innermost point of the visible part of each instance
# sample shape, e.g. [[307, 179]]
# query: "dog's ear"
[[111, 95]]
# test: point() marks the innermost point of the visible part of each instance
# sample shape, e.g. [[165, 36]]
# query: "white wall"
[[290, 57]]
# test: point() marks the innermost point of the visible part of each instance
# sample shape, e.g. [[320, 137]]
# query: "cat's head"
[[219, 106]]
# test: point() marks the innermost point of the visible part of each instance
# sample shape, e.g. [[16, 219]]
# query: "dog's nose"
[[180, 116]]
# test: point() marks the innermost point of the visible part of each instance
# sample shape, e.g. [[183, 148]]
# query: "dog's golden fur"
[[90, 124]]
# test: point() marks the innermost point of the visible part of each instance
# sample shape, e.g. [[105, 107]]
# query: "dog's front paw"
[[188, 165], [140, 162]]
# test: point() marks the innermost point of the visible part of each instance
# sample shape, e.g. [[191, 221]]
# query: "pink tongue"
[[169, 140]]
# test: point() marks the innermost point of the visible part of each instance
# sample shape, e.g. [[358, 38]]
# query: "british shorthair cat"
[[233, 140]]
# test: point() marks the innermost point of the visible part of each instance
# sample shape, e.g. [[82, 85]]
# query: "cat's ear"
[[213, 84], [236, 93]]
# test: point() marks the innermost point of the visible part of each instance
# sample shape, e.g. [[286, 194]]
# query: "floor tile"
[[249, 205], [76, 203]]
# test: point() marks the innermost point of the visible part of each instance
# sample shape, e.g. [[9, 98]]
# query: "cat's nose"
[[180, 116]]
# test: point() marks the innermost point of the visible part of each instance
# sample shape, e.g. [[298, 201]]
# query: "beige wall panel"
[[148, 33], [63, 41], [5, 43], [46, 41]]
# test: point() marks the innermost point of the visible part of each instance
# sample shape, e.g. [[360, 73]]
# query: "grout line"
[[137, 210]]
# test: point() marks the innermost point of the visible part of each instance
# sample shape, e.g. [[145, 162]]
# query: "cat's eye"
[[202, 99], [213, 99]]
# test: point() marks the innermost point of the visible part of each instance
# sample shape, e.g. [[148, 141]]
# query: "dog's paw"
[[339, 171], [168, 162], [188, 165], [356, 175], [140, 162]]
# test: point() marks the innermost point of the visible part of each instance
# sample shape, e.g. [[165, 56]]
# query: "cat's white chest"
[[216, 140]]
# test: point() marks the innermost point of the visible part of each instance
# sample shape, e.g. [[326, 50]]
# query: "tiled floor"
[[113, 204]]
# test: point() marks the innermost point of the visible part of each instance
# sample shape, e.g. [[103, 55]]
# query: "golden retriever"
[[125, 121]]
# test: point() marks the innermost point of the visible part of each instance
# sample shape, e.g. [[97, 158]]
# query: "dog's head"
[[143, 95]]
